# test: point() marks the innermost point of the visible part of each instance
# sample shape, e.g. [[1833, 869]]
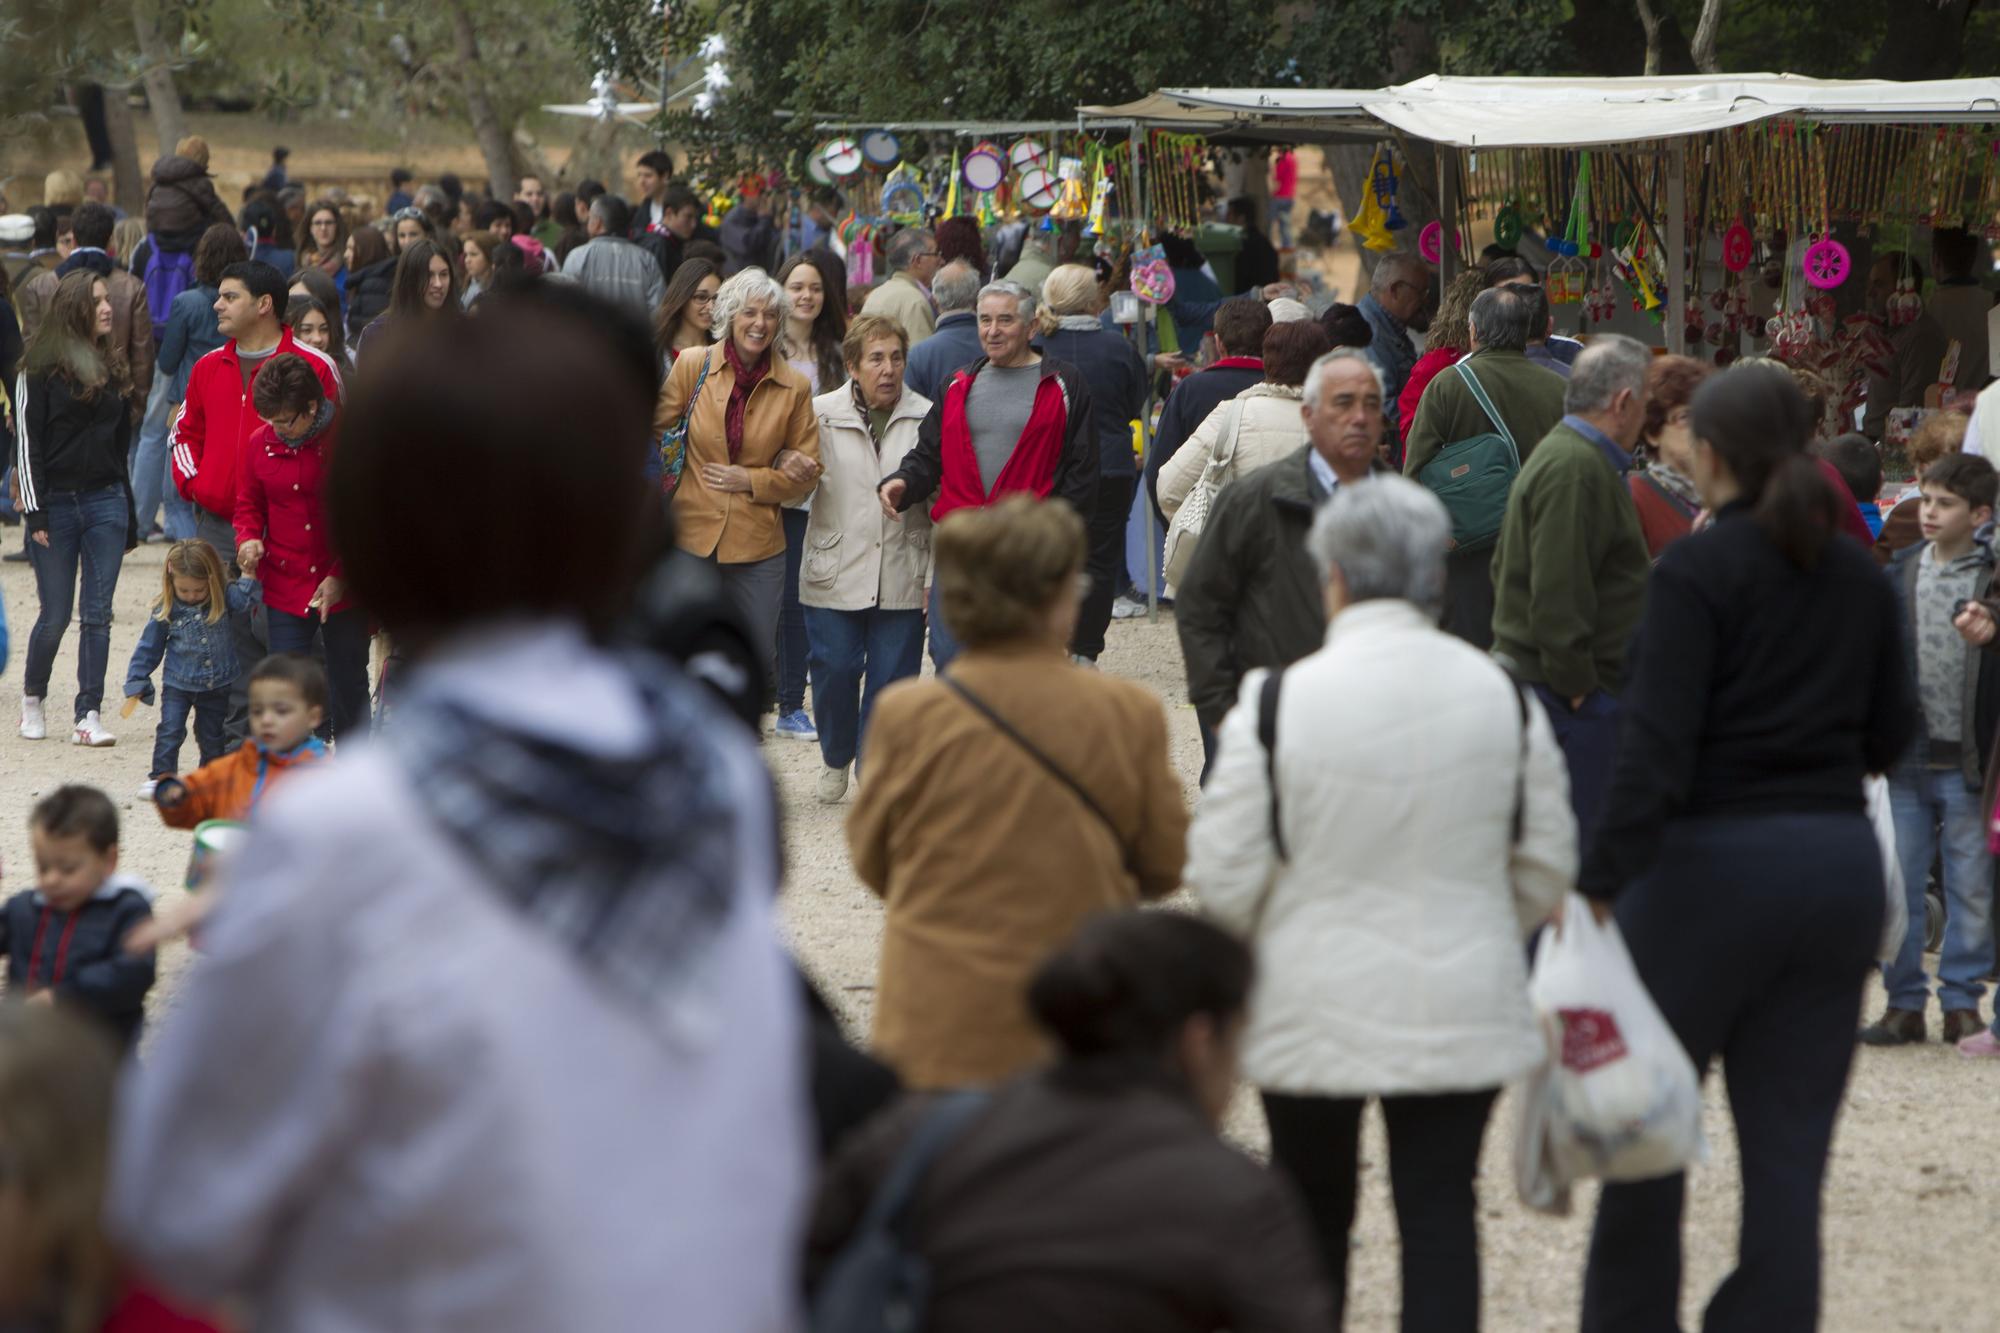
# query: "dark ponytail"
[[1128, 983], [1757, 419]]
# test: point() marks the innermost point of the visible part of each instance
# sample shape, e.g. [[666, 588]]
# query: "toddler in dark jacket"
[[65, 938]]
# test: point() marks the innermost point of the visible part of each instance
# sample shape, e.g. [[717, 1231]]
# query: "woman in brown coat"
[[752, 446], [1005, 802]]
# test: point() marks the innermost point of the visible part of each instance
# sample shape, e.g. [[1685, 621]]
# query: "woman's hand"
[[796, 466], [726, 477], [1975, 625], [40, 536], [248, 556], [327, 596]]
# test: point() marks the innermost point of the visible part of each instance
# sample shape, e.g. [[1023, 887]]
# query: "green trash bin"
[[1220, 243]]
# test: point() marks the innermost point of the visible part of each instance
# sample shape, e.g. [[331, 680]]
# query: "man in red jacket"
[[213, 432]]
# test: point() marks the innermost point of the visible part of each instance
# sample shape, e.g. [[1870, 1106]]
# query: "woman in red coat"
[[282, 540], [1663, 490]]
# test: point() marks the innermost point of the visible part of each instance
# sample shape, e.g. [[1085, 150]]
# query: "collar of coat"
[[837, 407], [781, 371]]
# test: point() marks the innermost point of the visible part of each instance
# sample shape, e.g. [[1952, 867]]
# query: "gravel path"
[[1913, 1193]]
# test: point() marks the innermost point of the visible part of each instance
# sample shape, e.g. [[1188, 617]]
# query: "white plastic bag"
[[1896, 912], [1619, 1098]]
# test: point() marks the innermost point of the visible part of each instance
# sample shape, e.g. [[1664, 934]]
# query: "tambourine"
[[902, 195], [882, 149], [983, 168], [842, 158], [1040, 189], [1028, 153], [816, 169]]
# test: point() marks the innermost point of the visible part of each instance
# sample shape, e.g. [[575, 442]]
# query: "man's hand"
[[1168, 361], [726, 477], [248, 556], [796, 467], [327, 596], [1577, 702], [891, 494], [1975, 625]]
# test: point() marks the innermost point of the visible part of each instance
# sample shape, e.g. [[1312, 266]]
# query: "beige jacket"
[[1269, 427], [856, 556], [986, 862], [901, 299], [731, 527]]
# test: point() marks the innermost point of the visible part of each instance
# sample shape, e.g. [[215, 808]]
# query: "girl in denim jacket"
[[190, 631]]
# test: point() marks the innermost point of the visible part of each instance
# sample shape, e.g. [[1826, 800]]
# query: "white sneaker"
[[34, 725], [832, 784], [90, 731], [1125, 608], [147, 788]]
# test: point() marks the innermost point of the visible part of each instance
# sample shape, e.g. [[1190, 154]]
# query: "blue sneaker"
[[797, 726]]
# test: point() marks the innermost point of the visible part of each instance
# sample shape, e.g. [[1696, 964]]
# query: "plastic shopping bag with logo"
[[1618, 1099]]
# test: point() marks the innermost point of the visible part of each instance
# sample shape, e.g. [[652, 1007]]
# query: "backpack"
[[880, 1283], [168, 274], [1192, 516], [1472, 477]]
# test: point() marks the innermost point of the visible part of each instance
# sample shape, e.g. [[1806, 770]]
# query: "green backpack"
[[1473, 476]]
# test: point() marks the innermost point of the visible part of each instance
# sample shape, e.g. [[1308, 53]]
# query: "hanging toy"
[[1100, 197], [1370, 221], [1152, 276], [1737, 245], [951, 194], [1430, 241], [1071, 205], [1507, 227], [1826, 263], [1040, 190], [1567, 272], [1385, 183]]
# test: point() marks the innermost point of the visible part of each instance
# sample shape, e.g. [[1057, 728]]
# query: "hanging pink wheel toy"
[[1430, 241], [1736, 247], [1826, 263]]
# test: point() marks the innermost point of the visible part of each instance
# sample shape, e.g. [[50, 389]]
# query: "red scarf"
[[739, 394], [1032, 465]]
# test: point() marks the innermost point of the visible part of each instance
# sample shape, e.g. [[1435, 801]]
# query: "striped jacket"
[[217, 420]]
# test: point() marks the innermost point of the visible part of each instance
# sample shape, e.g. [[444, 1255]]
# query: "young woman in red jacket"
[[281, 535]]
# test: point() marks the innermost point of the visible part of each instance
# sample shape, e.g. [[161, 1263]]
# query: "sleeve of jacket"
[[770, 486], [1162, 845], [117, 985], [146, 659], [1893, 715], [31, 422], [1178, 475], [1273, 1280], [1542, 867], [1168, 437], [674, 391], [173, 340], [1078, 467], [923, 466], [1206, 603], [251, 516], [1426, 434], [1562, 596], [141, 349], [207, 787], [188, 440], [1231, 859]]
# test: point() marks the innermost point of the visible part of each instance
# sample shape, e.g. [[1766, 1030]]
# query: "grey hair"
[[751, 287], [1611, 363], [1316, 373], [1387, 537], [1002, 287], [903, 247], [1500, 319], [956, 287], [1394, 266]]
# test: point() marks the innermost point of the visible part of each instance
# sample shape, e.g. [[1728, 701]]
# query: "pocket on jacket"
[[822, 558]]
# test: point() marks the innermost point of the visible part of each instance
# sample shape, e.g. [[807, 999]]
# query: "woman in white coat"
[[1419, 831], [1268, 418], [864, 575]]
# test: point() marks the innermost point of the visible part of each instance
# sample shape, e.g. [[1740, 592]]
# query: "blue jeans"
[[210, 709], [848, 647], [792, 647], [1934, 811], [87, 533], [1588, 736], [943, 646], [345, 636], [150, 483]]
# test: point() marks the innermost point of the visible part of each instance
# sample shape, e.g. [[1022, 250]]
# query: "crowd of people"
[[1470, 622]]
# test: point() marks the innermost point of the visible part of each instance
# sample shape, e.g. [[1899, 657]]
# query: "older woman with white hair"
[[1389, 959], [752, 444]]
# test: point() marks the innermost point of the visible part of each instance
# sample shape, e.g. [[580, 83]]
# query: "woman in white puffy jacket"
[[1269, 416], [1421, 829]]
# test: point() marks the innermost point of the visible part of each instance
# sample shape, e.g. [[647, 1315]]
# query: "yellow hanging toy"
[[1070, 205], [1371, 222]]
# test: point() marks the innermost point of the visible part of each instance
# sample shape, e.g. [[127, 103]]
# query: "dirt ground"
[[1914, 1188]]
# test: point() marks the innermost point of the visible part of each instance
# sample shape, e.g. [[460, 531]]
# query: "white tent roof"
[[1564, 112]]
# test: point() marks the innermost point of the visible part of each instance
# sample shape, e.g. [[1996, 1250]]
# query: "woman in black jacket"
[[1769, 681], [371, 277], [73, 429]]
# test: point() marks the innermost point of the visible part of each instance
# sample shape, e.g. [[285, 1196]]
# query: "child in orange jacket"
[[288, 696]]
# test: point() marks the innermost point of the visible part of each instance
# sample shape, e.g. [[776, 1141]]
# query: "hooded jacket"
[[217, 421], [181, 203], [80, 955], [368, 292], [233, 785], [1071, 475]]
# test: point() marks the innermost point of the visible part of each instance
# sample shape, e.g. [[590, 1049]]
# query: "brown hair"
[[1968, 476], [78, 811], [680, 290], [1290, 349], [193, 560], [370, 247], [66, 342], [1451, 326], [1240, 325], [1670, 384], [302, 673], [1759, 422], [1938, 434], [829, 327], [285, 385], [1001, 568], [219, 247], [871, 328], [308, 252]]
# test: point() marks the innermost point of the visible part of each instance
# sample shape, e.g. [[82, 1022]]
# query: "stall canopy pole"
[[1676, 243], [1447, 160], [1136, 208]]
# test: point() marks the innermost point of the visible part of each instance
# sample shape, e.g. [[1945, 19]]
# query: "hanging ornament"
[[1826, 263], [1100, 197], [1152, 276], [983, 169], [1371, 221], [1070, 205], [1040, 190], [842, 157], [1737, 245], [1027, 153], [882, 149], [1385, 184], [1507, 227]]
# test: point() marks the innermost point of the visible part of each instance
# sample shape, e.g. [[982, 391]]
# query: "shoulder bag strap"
[[1035, 752], [1232, 430], [700, 378], [1486, 405], [938, 1129], [1267, 732], [1521, 773]]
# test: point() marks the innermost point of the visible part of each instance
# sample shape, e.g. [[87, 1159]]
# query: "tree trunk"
[[1705, 32], [496, 140], [157, 53], [1651, 23], [1925, 41], [128, 183]]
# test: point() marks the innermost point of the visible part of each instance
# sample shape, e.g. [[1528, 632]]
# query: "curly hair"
[[1670, 384], [1451, 326]]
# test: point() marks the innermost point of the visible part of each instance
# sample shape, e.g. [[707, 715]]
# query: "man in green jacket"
[[1570, 571], [1529, 400]]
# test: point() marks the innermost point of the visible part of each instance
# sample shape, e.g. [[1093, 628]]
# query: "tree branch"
[[1651, 23], [1702, 48]]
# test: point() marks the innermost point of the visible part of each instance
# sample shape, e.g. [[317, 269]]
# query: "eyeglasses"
[[702, 298]]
